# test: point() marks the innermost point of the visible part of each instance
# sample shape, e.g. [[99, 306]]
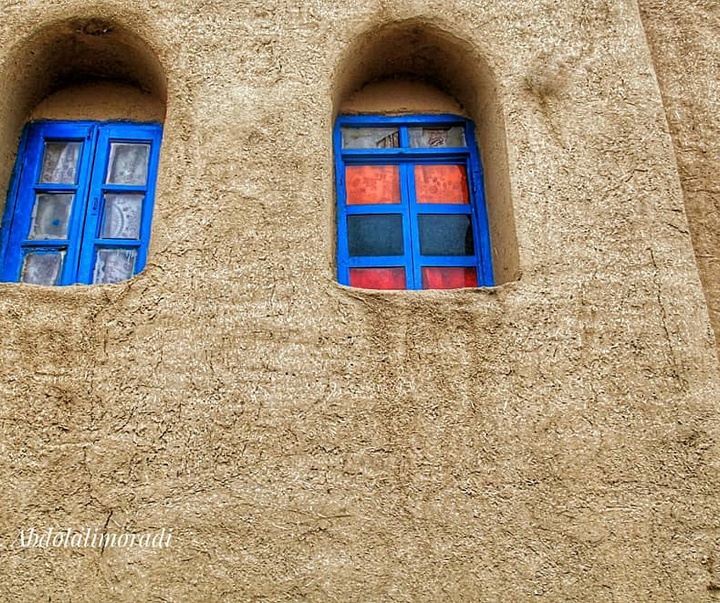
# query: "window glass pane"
[[42, 268], [448, 277], [437, 137], [113, 265], [370, 138], [441, 184], [446, 234], [374, 235], [368, 184], [378, 278], [128, 163], [50, 216], [60, 162], [121, 216]]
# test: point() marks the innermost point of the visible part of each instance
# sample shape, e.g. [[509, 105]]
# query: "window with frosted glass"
[[411, 212], [80, 205]]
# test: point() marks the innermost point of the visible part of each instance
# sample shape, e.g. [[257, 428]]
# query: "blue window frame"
[[80, 204], [411, 208]]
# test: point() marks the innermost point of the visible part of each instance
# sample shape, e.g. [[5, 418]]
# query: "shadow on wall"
[[77, 69], [422, 57]]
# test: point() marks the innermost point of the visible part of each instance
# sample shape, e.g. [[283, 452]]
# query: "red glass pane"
[[372, 184], [378, 278], [441, 184], [448, 277]]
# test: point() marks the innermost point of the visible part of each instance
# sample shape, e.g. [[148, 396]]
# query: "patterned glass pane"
[[375, 235], [448, 277], [437, 137], [370, 138], [42, 268], [368, 184], [441, 184], [60, 162], [378, 278], [113, 265], [128, 163], [446, 234], [121, 216], [50, 217]]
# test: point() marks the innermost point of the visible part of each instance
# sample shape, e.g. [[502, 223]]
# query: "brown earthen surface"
[[398, 96], [684, 40], [552, 439], [100, 101]]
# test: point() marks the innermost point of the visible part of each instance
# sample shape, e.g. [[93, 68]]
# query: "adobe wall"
[[683, 39], [551, 439]]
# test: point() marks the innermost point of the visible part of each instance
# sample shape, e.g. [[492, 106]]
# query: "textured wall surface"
[[684, 39], [552, 439]]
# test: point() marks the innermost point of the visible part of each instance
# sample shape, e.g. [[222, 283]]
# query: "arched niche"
[[77, 69], [412, 66]]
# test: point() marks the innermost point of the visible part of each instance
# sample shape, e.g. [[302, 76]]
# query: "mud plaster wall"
[[100, 101], [554, 439], [683, 38], [398, 96]]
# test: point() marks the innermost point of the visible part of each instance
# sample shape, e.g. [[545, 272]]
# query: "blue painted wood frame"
[[89, 189], [406, 158]]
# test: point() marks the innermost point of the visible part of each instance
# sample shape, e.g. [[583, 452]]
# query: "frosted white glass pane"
[[60, 162], [50, 217], [121, 217], [437, 137], [128, 163], [42, 268], [113, 265], [370, 138]]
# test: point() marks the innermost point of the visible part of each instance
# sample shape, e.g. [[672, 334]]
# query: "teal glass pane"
[[446, 234], [375, 235]]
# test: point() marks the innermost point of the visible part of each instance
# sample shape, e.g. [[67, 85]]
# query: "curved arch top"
[[79, 50], [415, 49], [72, 54]]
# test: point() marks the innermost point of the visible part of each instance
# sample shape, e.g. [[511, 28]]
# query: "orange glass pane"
[[448, 277], [372, 184], [441, 184], [378, 278]]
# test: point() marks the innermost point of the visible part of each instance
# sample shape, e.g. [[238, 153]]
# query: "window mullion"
[[93, 196], [404, 137], [77, 220], [413, 231]]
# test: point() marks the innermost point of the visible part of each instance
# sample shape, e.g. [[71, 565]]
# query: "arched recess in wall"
[[77, 69], [412, 66], [80, 203]]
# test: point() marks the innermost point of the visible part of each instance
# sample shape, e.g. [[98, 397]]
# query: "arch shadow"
[[67, 53]]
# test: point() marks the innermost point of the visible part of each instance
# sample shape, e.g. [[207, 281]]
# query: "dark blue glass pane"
[[446, 234], [379, 234]]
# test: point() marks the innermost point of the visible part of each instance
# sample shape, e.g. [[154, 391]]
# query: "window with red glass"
[[411, 212]]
